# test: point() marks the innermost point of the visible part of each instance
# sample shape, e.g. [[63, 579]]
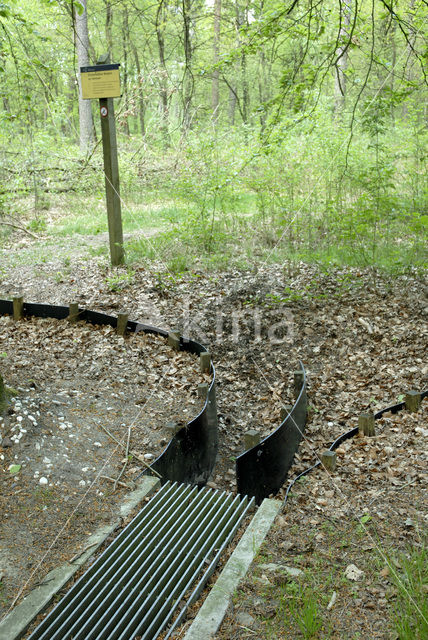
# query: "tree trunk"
[[241, 20], [141, 104], [342, 55], [125, 40], [160, 30], [232, 105], [188, 82], [82, 48], [108, 26], [215, 92]]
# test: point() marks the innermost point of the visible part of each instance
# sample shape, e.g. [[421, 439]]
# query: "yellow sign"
[[101, 81]]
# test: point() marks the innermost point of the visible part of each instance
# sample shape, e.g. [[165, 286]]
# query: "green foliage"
[[411, 606], [299, 609], [277, 174], [120, 280]]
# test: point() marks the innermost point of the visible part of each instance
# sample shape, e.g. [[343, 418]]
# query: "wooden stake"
[[111, 171], [174, 340], [122, 323], [298, 381], [251, 438], [366, 424], [205, 361], [202, 390], [328, 460], [18, 308], [413, 401], [172, 428], [73, 315]]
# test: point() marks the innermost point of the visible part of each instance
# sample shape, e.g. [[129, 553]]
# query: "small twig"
[[133, 453], [241, 626], [121, 484], [74, 558], [406, 485], [127, 441], [126, 461], [39, 584]]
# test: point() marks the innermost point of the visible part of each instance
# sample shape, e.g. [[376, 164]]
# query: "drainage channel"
[[142, 580]]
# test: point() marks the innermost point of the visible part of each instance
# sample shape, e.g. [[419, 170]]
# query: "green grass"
[[85, 214], [204, 216], [411, 606]]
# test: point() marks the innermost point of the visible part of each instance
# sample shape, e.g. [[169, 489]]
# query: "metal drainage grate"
[[137, 585]]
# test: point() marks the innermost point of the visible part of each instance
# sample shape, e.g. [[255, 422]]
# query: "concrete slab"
[[212, 612], [13, 626]]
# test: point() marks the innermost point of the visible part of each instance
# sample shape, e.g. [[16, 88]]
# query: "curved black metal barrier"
[[395, 408], [191, 454], [262, 470]]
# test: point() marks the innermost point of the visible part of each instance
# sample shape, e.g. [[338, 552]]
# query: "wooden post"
[[111, 172], [174, 340], [205, 360], [328, 460], [171, 428], [366, 424], [18, 308], [413, 401], [73, 315], [251, 438], [122, 322], [202, 390], [298, 381]]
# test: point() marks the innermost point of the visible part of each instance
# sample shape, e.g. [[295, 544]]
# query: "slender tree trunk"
[[241, 19], [408, 70], [263, 86], [82, 48], [141, 103], [125, 40], [160, 29], [215, 90], [108, 26], [342, 62], [232, 105], [394, 60], [188, 83], [245, 90]]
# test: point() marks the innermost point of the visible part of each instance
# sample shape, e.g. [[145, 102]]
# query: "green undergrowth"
[[225, 199], [321, 601], [411, 607]]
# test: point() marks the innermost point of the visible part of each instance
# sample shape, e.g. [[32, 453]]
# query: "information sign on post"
[[103, 82]]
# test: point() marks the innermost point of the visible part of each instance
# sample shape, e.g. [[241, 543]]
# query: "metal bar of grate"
[[136, 586]]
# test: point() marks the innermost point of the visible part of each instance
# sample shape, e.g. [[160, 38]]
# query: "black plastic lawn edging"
[[395, 408], [191, 454], [262, 470]]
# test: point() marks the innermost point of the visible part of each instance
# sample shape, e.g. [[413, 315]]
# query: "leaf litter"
[[363, 344]]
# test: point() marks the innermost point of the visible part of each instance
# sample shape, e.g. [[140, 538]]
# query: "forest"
[[272, 157], [299, 127]]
